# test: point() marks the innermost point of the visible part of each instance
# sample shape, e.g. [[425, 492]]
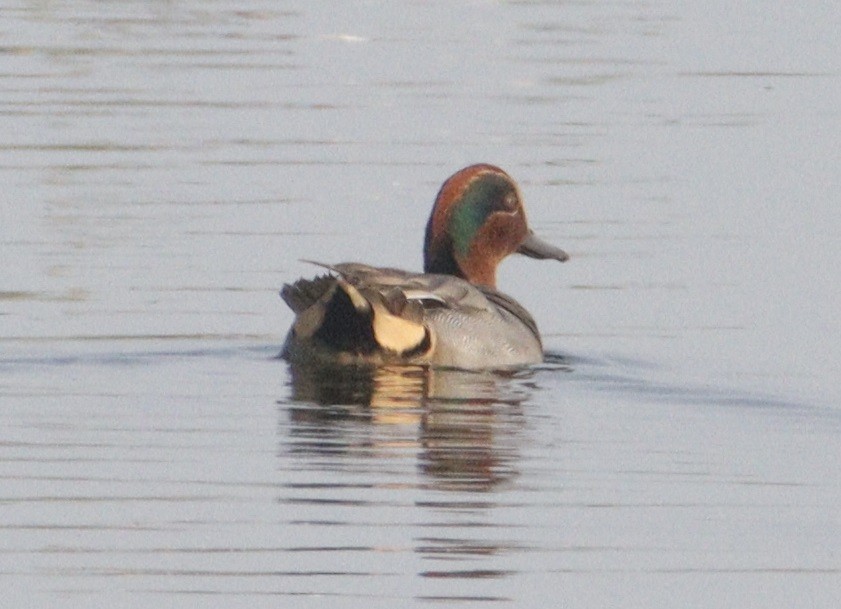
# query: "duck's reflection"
[[443, 443], [463, 426]]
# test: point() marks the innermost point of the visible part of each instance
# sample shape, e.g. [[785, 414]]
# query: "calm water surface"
[[166, 166]]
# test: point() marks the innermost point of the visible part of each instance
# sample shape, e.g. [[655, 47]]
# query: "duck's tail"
[[334, 315]]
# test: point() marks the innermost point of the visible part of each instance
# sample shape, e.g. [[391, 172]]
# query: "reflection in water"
[[463, 425], [449, 440]]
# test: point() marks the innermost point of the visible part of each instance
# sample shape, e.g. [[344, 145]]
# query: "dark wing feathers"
[[304, 293]]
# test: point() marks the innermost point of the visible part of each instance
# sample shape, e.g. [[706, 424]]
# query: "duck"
[[449, 316]]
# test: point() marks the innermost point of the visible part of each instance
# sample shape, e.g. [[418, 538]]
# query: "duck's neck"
[[440, 260], [443, 262]]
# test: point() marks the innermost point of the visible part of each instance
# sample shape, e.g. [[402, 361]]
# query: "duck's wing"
[[426, 290], [304, 293], [361, 310], [396, 285], [366, 310]]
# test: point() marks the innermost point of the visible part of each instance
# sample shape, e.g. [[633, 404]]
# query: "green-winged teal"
[[451, 315]]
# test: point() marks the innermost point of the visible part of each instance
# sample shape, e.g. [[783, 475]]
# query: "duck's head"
[[478, 219]]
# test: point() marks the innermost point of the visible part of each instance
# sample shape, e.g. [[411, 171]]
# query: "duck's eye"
[[509, 202]]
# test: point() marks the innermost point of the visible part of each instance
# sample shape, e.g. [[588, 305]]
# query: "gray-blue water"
[[165, 167]]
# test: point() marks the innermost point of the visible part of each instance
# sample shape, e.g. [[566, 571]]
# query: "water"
[[164, 169]]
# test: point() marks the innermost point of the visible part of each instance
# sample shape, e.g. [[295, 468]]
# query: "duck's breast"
[[488, 338]]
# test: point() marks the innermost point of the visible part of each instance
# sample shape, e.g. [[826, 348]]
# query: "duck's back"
[[376, 315]]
